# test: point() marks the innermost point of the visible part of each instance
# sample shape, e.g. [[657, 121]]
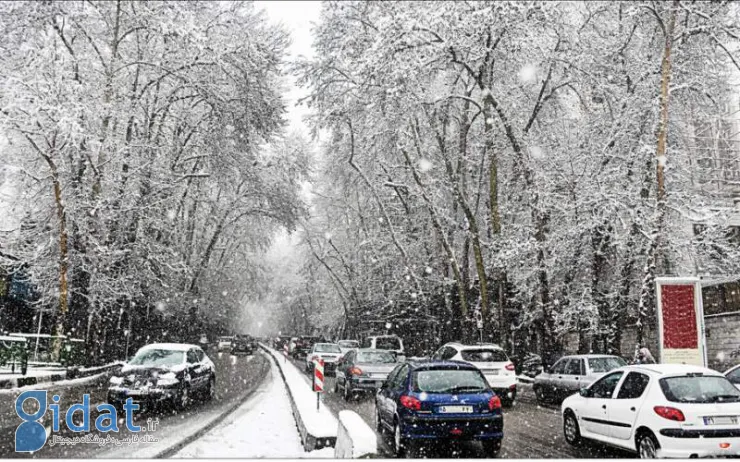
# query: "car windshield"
[[156, 357], [327, 348], [387, 343], [449, 381], [349, 343], [375, 357], [484, 355], [699, 389], [605, 364]]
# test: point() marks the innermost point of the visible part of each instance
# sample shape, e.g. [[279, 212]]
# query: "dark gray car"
[[571, 373], [362, 370]]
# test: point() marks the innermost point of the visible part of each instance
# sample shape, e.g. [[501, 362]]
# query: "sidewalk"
[[50, 375], [262, 427]]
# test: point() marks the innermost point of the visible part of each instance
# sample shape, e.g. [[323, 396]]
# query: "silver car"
[[571, 373], [363, 369]]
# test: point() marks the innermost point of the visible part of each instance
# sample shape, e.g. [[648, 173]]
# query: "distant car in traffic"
[[243, 344], [347, 345], [224, 343], [329, 352], [302, 345], [491, 360], [386, 342], [439, 401], [362, 370], [571, 373], [658, 410], [733, 375], [164, 373]]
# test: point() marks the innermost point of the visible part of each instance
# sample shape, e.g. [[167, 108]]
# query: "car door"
[[574, 372], [733, 375], [194, 369], [388, 391], [594, 414], [383, 393], [554, 382], [624, 409]]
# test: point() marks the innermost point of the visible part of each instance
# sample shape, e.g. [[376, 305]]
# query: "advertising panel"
[[680, 321]]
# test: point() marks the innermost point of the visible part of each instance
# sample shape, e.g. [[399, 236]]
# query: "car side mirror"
[[584, 392]]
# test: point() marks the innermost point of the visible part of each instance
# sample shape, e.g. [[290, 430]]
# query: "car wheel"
[[399, 442], [539, 393], [491, 448], [647, 445], [571, 430], [347, 391], [211, 390]]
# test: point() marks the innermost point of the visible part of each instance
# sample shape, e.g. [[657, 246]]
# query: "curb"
[[310, 442], [172, 450]]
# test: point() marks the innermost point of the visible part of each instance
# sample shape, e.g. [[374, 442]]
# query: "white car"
[[658, 410], [392, 343], [491, 360], [224, 343], [330, 353], [348, 345], [733, 375]]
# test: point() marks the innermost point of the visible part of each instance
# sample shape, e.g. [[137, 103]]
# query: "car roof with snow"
[[168, 346], [475, 346], [440, 364], [671, 369], [591, 356]]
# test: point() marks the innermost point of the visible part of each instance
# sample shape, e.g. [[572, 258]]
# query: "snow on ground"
[[263, 427], [321, 423]]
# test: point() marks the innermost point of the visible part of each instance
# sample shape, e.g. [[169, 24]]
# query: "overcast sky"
[[297, 18]]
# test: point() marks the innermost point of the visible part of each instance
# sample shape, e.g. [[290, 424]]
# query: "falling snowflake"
[[171, 215], [428, 270], [528, 73], [425, 165], [159, 306]]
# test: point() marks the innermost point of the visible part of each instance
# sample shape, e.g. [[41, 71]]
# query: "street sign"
[[318, 376], [680, 321]]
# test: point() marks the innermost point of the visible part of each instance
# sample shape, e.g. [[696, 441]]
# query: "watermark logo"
[[31, 435]]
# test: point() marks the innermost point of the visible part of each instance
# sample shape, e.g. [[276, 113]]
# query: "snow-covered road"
[[262, 427]]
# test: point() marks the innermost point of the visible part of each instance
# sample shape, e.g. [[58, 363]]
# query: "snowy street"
[[531, 430], [237, 375], [262, 427]]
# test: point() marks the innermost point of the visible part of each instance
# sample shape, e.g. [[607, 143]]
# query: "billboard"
[[680, 321]]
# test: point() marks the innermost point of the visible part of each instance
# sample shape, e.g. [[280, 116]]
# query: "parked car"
[[362, 370], [733, 375], [164, 373], [243, 344], [224, 344], [439, 400], [347, 345], [329, 352], [491, 360], [386, 342], [658, 410], [571, 373]]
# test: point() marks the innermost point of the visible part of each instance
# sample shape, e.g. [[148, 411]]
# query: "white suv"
[[491, 360], [658, 410]]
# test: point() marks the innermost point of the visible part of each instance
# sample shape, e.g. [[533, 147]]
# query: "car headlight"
[[116, 380], [167, 380]]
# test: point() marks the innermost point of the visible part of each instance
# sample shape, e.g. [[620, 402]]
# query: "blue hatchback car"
[[439, 400]]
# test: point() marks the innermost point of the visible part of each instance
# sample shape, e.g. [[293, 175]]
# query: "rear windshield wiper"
[[717, 398]]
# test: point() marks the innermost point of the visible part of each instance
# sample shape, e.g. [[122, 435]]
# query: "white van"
[[386, 342]]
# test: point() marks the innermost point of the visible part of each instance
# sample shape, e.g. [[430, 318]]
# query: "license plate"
[[720, 420], [493, 372], [455, 409]]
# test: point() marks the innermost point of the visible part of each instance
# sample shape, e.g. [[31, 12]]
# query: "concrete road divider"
[[317, 427], [355, 438]]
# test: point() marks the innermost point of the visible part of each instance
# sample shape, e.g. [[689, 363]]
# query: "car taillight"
[[355, 371], [670, 413], [494, 403], [409, 402], [510, 367]]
